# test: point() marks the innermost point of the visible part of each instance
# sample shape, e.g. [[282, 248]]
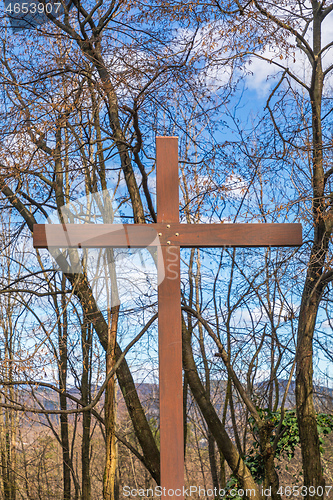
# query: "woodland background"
[[247, 88]]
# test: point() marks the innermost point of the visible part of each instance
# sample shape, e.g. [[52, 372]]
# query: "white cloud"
[[282, 312], [235, 186], [327, 324], [260, 71]]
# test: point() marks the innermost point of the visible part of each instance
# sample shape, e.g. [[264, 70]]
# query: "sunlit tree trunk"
[[85, 392], [8, 418], [314, 285], [64, 432], [109, 480]]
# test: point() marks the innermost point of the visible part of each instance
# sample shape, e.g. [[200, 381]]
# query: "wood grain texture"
[[95, 235], [183, 235], [167, 180], [169, 320], [237, 235], [170, 372]]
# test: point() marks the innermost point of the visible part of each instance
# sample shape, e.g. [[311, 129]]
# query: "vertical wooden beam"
[[169, 324], [167, 180]]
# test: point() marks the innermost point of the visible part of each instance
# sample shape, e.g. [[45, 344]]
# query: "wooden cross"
[[171, 237]]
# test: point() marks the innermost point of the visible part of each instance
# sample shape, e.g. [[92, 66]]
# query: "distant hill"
[[149, 397]]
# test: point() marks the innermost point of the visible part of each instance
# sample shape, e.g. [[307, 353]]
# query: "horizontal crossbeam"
[[174, 234]]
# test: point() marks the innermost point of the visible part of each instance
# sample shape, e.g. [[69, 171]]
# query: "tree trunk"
[[85, 392], [109, 479], [212, 460], [306, 414], [271, 479], [62, 330]]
